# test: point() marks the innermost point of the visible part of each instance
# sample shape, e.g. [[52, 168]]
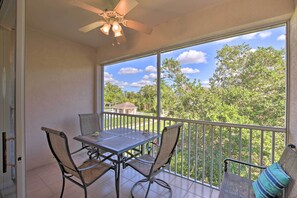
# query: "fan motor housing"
[[111, 16]]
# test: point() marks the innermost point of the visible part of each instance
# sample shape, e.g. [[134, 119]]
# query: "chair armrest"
[[240, 162], [150, 148], [79, 150]]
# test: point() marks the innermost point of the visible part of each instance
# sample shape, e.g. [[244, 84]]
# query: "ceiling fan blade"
[[92, 26], [85, 6], [138, 26], [125, 6]]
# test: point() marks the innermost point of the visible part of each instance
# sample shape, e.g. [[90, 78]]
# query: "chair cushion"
[[271, 182]]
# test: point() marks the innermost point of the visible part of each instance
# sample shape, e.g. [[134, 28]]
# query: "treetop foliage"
[[247, 87]]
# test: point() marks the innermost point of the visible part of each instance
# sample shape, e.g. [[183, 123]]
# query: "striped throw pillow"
[[271, 182]]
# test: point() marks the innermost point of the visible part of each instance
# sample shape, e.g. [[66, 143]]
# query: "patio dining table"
[[117, 142]]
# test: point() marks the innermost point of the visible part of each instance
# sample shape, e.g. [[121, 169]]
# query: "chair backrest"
[[89, 123], [169, 140], [58, 144], [288, 161]]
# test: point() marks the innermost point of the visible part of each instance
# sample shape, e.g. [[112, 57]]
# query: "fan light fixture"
[[105, 29], [116, 28], [113, 19], [118, 34]]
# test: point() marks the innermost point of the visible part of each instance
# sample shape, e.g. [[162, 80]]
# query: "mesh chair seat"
[[235, 186], [141, 167], [90, 175]]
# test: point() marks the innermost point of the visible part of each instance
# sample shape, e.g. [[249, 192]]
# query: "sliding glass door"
[[7, 99]]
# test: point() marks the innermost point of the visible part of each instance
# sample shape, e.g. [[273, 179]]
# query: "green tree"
[[113, 94], [253, 82], [148, 94]]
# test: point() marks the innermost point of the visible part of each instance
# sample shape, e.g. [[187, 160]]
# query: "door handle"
[[4, 152]]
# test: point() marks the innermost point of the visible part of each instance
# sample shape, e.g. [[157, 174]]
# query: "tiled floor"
[[46, 182]]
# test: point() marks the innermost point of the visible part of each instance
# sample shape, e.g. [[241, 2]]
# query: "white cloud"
[[122, 84], [153, 75], [169, 52], [253, 50], [281, 37], [146, 77], [150, 76], [227, 40], [146, 80], [188, 70], [141, 83], [249, 36], [205, 83], [151, 68], [129, 70], [265, 34], [192, 56], [108, 78]]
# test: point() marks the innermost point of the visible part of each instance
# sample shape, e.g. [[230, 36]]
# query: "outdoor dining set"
[[109, 149], [117, 148]]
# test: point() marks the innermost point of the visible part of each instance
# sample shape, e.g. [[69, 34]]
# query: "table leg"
[[118, 173]]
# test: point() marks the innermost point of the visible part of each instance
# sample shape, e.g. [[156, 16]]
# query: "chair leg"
[[164, 185], [148, 189], [63, 186], [85, 190], [140, 181]]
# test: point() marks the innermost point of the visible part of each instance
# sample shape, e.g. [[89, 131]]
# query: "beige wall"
[[59, 84], [293, 80], [231, 16]]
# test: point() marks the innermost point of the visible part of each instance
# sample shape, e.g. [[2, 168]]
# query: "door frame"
[[20, 99]]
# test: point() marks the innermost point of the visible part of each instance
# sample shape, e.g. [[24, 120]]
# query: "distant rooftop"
[[125, 105]]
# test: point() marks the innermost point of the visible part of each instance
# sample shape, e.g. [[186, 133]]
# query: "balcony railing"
[[203, 145]]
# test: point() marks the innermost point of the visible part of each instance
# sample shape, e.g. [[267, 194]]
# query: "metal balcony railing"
[[203, 145]]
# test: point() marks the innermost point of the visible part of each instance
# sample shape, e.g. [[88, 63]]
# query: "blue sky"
[[198, 62]]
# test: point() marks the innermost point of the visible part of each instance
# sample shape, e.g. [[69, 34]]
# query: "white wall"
[[228, 17], [59, 84]]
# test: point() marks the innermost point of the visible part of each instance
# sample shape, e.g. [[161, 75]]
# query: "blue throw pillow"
[[271, 182]]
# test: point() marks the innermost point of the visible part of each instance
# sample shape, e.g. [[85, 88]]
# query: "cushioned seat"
[[234, 186]]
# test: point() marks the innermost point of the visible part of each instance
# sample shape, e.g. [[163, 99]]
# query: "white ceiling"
[[60, 18]]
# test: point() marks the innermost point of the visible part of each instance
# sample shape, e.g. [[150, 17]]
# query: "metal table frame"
[[117, 142]]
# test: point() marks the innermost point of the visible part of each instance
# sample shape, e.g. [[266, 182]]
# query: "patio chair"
[[234, 186], [90, 123], [149, 166], [83, 175]]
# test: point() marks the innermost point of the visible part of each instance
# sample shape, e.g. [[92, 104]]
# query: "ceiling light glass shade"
[[105, 29], [117, 34], [116, 27]]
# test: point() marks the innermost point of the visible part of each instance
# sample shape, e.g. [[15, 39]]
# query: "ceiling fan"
[[112, 20]]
